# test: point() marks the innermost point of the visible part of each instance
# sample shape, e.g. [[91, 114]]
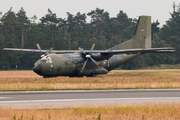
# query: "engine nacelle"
[[99, 56]]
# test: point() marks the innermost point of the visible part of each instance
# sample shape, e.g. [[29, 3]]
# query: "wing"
[[40, 52], [136, 51], [104, 52]]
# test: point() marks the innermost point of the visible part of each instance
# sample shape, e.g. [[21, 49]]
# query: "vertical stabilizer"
[[142, 35]]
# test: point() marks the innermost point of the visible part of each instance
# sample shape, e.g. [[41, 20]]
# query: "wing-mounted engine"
[[99, 56], [88, 56]]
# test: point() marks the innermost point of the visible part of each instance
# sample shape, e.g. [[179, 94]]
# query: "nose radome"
[[38, 69]]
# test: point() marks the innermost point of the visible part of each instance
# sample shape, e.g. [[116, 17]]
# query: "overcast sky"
[[158, 9]]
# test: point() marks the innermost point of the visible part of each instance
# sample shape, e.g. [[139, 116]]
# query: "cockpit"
[[45, 59]]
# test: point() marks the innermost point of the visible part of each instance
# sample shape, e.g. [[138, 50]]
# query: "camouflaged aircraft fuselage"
[[71, 64]]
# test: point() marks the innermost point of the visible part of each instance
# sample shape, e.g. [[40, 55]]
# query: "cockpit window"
[[46, 59], [42, 60]]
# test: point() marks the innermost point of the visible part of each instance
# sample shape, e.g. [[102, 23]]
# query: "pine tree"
[[22, 24], [9, 26]]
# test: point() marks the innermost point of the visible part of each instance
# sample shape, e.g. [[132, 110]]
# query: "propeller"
[[88, 56], [38, 46]]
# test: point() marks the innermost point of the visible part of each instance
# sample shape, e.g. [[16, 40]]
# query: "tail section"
[[141, 38]]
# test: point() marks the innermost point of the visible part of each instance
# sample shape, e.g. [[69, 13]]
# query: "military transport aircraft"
[[95, 62]]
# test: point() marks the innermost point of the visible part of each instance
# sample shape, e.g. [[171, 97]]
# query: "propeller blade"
[[88, 56], [93, 46], [48, 51], [93, 61], [38, 46], [84, 65], [81, 50]]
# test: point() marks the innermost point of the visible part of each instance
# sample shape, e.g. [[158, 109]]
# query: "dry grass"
[[117, 79], [18, 74], [170, 111], [145, 73]]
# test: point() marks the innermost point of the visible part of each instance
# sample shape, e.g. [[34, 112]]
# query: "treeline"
[[19, 31]]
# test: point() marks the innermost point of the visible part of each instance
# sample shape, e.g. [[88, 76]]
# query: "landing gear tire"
[[46, 77], [49, 76]]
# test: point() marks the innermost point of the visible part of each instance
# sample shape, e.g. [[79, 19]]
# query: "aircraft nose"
[[38, 69]]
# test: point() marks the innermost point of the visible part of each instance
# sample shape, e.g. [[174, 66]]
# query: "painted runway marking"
[[95, 99]]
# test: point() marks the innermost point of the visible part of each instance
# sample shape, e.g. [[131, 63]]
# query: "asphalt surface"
[[79, 98]]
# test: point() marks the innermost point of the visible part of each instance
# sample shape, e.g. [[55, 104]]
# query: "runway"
[[79, 98]]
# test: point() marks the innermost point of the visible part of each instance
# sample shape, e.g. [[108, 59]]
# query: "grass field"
[[134, 112], [117, 79]]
